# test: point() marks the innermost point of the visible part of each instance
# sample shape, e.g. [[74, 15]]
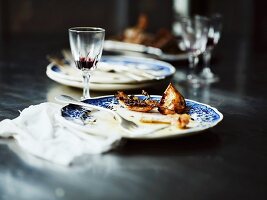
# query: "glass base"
[[208, 77], [193, 81]]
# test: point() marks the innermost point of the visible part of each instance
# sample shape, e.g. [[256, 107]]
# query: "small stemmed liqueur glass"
[[213, 38], [86, 45], [194, 37]]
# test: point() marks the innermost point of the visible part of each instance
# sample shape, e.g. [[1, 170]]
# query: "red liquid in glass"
[[85, 63], [210, 42]]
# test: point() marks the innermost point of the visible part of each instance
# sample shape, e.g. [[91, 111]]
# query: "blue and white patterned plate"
[[203, 117], [118, 73]]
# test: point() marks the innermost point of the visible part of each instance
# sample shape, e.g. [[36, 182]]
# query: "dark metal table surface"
[[228, 161]]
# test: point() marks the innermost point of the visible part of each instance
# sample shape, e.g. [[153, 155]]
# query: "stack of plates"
[[124, 47], [115, 73]]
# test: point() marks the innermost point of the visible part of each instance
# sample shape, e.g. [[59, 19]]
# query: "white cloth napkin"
[[40, 131]]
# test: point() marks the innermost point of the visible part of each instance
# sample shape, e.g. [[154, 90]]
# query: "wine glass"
[[213, 38], [86, 45], [194, 32]]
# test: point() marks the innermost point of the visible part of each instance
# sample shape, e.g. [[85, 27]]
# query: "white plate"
[[204, 117], [128, 69], [117, 46]]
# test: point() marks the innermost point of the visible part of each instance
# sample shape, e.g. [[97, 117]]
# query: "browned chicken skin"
[[172, 101], [134, 103]]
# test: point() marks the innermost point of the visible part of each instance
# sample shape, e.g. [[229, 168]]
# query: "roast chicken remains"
[[172, 104], [162, 39]]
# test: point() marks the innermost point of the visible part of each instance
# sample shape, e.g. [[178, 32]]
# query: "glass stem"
[[193, 60], [206, 58], [86, 82]]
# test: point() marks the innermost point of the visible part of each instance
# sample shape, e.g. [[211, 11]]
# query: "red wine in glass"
[[86, 63], [213, 40], [213, 37], [210, 42]]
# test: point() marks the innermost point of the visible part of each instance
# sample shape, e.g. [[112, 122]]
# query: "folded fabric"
[[40, 131]]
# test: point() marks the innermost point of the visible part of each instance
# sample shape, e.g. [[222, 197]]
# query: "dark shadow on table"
[[195, 144]]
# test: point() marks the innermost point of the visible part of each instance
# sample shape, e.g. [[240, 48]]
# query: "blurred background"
[[37, 18], [44, 23]]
